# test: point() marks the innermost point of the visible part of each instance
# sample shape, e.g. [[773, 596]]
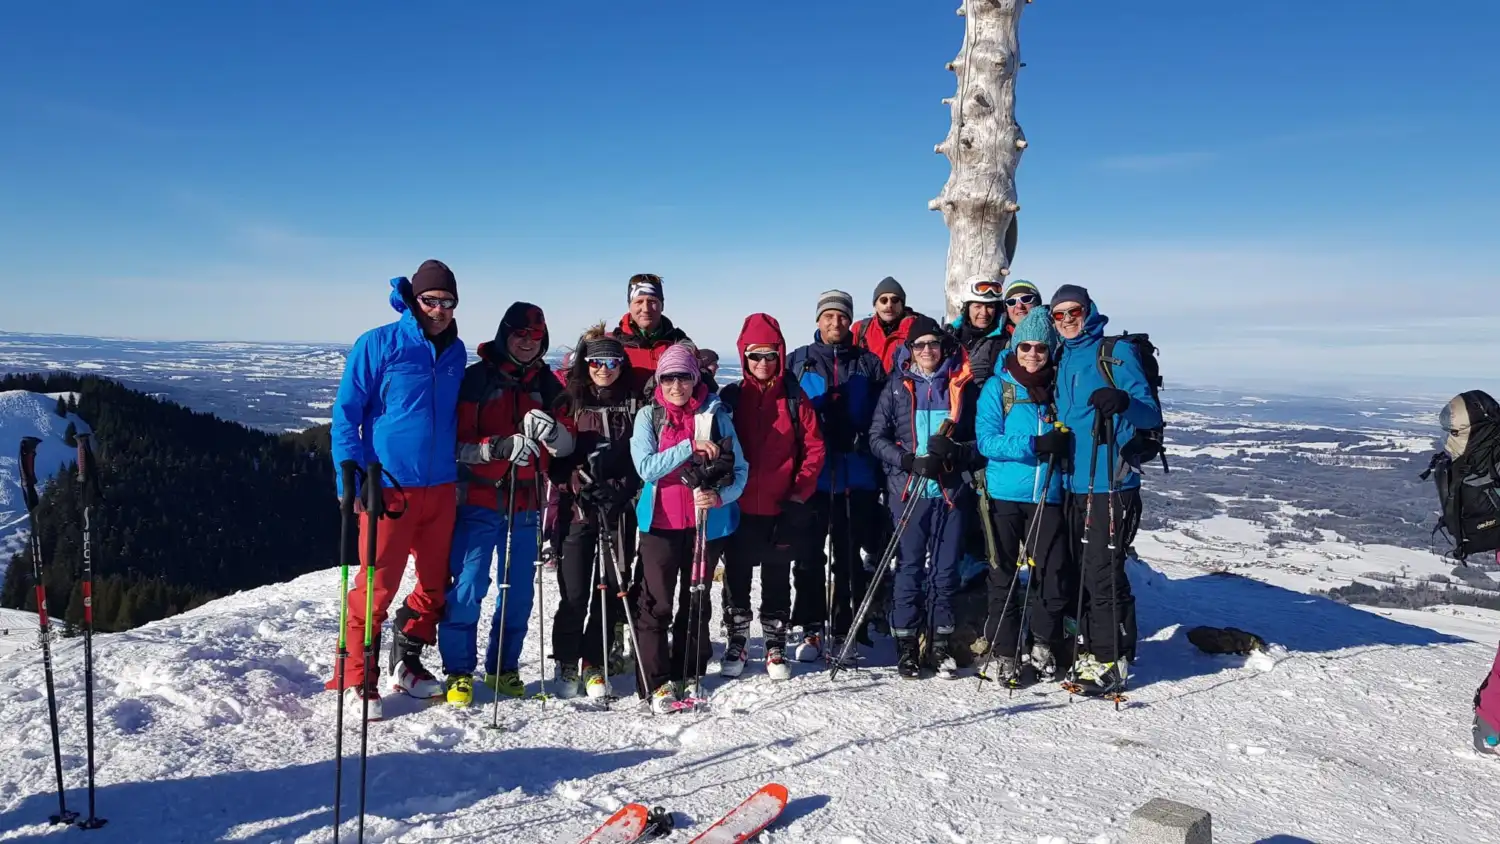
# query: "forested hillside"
[[191, 507]]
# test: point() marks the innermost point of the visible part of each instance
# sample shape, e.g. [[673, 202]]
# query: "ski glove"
[[1052, 444], [539, 426], [516, 448], [907, 460], [927, 466], [945, 449], [1108, 401]]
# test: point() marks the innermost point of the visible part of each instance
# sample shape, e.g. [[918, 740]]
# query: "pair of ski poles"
[[374, 507], [504, 586], [88, 478], [1102, 425]]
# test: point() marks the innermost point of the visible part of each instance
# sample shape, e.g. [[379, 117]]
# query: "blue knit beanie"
[[1036, 328]]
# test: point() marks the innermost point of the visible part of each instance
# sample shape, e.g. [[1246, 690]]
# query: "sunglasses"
[[926, 345], [1069, 313], [763, 357], [889, 299], [675, 378], [534, 333], [1021, 299], [441, 302], [604, 363], [1029, 348]]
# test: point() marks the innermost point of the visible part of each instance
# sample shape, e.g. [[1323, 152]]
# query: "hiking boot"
[[664, 699], [460, 690], [1043, 662], [733, 664], [411, 677], [811, 646], [506, 683], [595, 684], [1112, 676], [908, 657], [1003, 669], [942, 657], [565, 677], [777, 668], [357, 697]]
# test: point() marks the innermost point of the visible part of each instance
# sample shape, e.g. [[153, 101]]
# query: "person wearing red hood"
[[506, 439], [783, 444], [645, 330]]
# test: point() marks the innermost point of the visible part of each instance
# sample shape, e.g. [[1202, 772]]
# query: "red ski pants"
[[424, 532]]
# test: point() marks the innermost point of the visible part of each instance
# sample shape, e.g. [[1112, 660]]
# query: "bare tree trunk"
[[983, 146]]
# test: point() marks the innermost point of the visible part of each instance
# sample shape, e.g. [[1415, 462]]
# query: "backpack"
[[1148, 443], [1468, 486]]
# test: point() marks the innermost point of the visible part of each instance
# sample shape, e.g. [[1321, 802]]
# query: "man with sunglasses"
[[504, 426], [886, 332], [645, 331], [1093, 409], [396, 404]]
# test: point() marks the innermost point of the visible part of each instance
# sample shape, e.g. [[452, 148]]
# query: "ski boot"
[[595, 684], [777, 668], [356, 698], [908, 656], [810, 648], [664, 699], [407, 672], [620, 662], [941, 654], [460, 690], [1003, 670], [566, 678], [736, 630], [506, 683], [1043, 663], [1111, 679], [1486, 737]]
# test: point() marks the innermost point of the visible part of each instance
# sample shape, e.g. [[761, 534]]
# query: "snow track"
[[213, 726]]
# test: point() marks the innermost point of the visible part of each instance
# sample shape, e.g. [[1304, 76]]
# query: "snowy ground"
[[24, 414], [213, 726]]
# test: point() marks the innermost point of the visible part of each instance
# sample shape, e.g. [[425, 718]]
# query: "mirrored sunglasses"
[[534, 333], [442, 302], [1067, 313], [1021, 299], [604, 363]]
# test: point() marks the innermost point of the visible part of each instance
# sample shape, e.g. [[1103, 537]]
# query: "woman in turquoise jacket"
[[1027, 450]]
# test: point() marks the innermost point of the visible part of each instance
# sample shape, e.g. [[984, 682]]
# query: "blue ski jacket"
[[1014, 473], [856, 375], [1078, 376]]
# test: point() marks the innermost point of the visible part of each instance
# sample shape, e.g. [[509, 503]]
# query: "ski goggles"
[[440, 302], [605, 363], [987, 288], [1021, 299], [763, 357], [1067, 313]]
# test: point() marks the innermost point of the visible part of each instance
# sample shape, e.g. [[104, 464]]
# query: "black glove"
[[1107, 401], [838, 434], [945, 449], [1054, 443], [692, 473], [795, 524], [907, 460], [927, 466]]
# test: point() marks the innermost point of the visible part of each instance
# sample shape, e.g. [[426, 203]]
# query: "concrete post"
[[1169, 822]]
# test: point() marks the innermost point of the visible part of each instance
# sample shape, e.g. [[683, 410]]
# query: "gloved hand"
[[516, 448], [945, 450], [908, 459], [1108, 401], [539, 426], [1053, 443], [927, 466]]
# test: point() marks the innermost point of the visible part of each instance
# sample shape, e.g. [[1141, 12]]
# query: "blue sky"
[[1280, 194]]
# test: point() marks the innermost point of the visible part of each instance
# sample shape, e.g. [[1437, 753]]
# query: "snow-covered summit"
[[213, 725], [24, 414]]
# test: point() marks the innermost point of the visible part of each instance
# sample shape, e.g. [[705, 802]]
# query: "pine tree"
[[62, 407]]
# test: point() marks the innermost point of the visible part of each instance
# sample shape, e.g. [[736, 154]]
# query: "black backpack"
[[1149, 443], [1468, 487]]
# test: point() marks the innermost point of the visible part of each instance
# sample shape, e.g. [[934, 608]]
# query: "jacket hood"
[[762, 330], [1093, 328], [401, 295]]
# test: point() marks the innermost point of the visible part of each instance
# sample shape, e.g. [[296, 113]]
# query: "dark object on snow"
[[1225, 640], [1468, 474]]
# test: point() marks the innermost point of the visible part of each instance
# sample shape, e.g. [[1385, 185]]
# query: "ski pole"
[[1083, 556], [696, 586], [887, 560], [1112, 451], [541, 617], [504, 586], [348, 472], [88, 477], [1033, 537], [622, 584], [602, 589], [28, 493], [1022, 557], [374, 512]]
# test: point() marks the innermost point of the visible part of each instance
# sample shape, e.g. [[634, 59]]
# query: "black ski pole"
[[348, 474], [504, 586], [622, 582], [1083, 556], [374, 512], [88, 476], [887, 560], [1113, 453], [28, 492], [541, 619]]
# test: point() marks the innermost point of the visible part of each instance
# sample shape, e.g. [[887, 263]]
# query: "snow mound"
[[213, 725], [24, 414]]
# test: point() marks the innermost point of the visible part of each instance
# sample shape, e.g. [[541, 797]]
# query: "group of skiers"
[[637, 473]]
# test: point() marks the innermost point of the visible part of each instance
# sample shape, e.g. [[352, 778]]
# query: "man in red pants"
[[397, 404]]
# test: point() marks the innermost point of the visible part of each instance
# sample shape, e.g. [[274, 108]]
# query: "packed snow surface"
[[213, 725]]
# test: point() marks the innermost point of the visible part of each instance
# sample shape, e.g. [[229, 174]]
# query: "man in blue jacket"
[[843, 382], [398, 404], [1106, 493]]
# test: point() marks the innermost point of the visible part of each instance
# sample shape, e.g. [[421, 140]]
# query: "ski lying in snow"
[[746, 820], [632, 823], [1091, 690]]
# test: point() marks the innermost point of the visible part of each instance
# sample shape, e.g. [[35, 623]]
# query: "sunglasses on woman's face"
[[534, 334], [675, 378], [440, 302], [927, 345], [1067, 313], [763, 357], [604, 363], [1031, 348], [1022, 299]]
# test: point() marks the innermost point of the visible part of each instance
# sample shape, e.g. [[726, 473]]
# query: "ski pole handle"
[[348, 472], [28, 470], [374, 495]]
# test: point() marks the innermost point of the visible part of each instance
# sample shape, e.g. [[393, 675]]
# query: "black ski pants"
[[665, 579], [579, 567], [1045, 593], [755, 544], [849, 522], [1108, 622]]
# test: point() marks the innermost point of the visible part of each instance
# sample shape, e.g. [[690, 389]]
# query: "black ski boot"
[[908, 657], [943, 662], [405, 663]]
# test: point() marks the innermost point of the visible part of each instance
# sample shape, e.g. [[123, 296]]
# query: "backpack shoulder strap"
[[658, 420], [1107, 359], [792, 394], [860, 331], [1007, 396]]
